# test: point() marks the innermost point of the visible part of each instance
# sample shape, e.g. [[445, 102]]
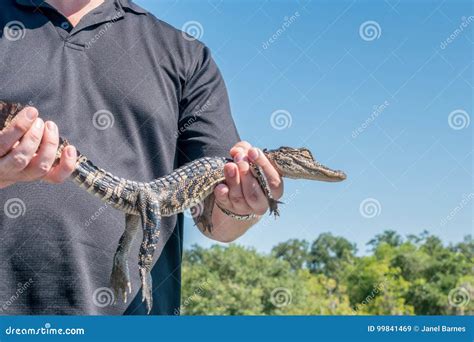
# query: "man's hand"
[[28, 148], [241, 192]]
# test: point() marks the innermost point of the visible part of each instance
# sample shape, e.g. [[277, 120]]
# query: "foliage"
[[416, 275]]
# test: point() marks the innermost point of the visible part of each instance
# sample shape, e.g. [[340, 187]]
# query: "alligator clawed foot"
[[146, 288], [205, 222], [120, 279], [273, 204]]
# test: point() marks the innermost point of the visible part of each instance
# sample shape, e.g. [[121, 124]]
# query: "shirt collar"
[[33, 3], [132, 6]]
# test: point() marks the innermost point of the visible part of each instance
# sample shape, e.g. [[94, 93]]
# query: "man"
[[139, 98]]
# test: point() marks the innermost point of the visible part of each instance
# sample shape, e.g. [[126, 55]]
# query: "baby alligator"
[[182, 189]]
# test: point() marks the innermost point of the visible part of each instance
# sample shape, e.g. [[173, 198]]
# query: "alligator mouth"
[[312, 171], [305, 166], [318, 171]]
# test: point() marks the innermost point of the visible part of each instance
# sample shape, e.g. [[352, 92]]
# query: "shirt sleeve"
[[205, 125]]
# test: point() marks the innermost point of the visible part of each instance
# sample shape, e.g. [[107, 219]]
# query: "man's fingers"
[[19, 158], [221, 192], [252, 191], [17, 129], [274, 180], [240, 147], [236, 197], [41, 164], [66, 166]]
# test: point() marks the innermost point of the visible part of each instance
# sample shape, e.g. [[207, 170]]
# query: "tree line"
[[412, 275]]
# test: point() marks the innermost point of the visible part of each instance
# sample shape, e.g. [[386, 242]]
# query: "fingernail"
[[222, 189], [238, 149], [51, 126], [238, 158], [253, 154], [243, 166], [71, 152], [31, 113], [39, 124], [231, 172]]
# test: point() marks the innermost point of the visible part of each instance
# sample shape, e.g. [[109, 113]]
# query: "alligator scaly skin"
[[185, 187], [198, 177]]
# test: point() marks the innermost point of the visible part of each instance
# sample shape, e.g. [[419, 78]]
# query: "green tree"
[[329, 254], [411, 261], [237, 281], [433, 272], [466, 247], [426, 298], [375, 287], [389, 237], [322, 296], [294, 251], [416, 275]]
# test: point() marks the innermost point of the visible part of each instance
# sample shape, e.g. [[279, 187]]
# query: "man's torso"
[[113, 85]]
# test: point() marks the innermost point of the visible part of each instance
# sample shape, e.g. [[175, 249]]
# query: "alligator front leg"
[[263, 182], [120, 278], [150, 213]]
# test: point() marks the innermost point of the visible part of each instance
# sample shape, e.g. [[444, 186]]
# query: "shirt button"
[[65, 25]]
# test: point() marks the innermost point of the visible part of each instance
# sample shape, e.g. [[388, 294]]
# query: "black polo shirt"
[[139, 98]]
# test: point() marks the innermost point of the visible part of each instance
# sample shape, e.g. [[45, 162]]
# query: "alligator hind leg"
[[262, 180], [205, 217], [120, 278], [150, 213]]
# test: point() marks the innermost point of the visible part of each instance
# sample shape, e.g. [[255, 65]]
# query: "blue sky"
[[389, 104]]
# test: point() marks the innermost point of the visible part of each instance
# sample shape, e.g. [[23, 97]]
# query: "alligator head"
[[299, 163]]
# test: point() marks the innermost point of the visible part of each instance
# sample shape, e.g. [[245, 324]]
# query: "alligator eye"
[[306, 153]]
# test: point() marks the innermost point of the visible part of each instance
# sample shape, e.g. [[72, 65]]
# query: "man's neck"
[[75, 10]]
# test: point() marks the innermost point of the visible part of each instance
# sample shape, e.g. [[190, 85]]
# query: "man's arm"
[[28, 148], [207, 129], [241, 193]]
